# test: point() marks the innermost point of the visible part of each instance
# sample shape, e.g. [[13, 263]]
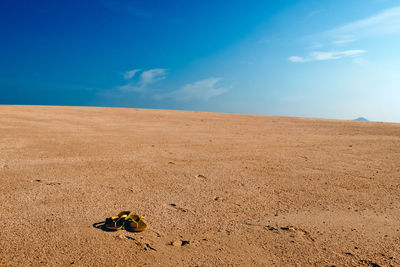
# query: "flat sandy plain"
[[215, 189]]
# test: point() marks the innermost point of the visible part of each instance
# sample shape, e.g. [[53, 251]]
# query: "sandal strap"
[[115, 221], [130, 217]]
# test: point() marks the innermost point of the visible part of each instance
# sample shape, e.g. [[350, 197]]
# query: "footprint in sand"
[[122, 237], [3, 166], [179, 243], [362, 261], [145, 246], [178, 208], [296, 232], [46, 183], [201, 177]]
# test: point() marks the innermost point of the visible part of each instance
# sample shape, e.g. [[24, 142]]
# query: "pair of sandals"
[[125, 220]]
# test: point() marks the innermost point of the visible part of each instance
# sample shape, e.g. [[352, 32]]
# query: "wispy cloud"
[[130, 74], [145, 79], [385, 22], [344, 41], [297, 59], [200, 90], [152, 76], [318, 56]]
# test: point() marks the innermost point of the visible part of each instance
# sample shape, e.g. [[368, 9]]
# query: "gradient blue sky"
[[323, 58]]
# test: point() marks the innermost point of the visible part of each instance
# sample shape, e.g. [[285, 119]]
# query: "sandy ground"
[[215, 189]]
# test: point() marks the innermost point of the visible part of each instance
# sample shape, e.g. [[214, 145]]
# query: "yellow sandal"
[[134, 223], [117, 222]]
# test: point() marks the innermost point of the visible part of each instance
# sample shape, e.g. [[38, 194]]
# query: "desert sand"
[[214, 189]]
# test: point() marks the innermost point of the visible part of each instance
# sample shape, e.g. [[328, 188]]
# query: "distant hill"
[[361, 119]]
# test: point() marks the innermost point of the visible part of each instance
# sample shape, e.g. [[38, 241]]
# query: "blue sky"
[[324, 59]]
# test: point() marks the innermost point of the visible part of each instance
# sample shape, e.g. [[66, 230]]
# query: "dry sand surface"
[[215, 189]]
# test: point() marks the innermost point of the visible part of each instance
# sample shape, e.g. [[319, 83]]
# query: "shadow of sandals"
[[102, 226]]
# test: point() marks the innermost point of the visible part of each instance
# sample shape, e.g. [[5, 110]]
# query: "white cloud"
[[382, 23], [152, 76], [296, 59], [385, 22], [130, 74], [200, 90], [344, 41], [335, 55], [318, 56], [146, 79]]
